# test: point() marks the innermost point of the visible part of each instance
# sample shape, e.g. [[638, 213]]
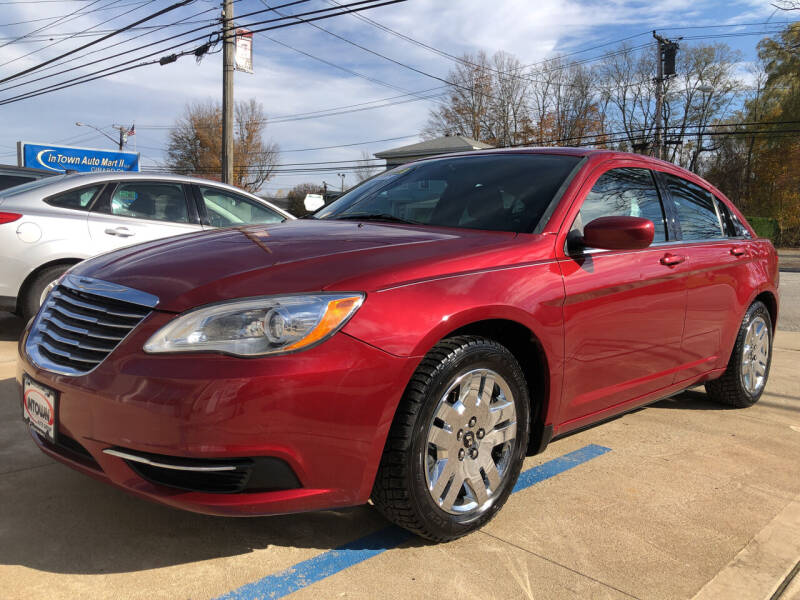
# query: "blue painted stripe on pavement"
[[333, 561], [321, 566], [558, 465]]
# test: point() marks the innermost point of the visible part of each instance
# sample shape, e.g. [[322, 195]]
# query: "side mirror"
[[313, 202], [618, 233]]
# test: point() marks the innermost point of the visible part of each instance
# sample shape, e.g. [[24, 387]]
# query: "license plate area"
[[40, 408]]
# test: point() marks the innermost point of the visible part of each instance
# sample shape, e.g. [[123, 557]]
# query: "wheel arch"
[[529, 351], [23, 289], [771, 302]]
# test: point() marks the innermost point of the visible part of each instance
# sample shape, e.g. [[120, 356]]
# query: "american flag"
[[132, 130]]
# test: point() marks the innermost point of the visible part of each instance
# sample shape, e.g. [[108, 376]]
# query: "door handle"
[[120, 232], [738, 251], [671, 260]]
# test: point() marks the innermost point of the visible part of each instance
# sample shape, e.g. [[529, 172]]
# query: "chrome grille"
[[82, 321]]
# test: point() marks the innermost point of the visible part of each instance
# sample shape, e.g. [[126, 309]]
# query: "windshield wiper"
[[374, 217]]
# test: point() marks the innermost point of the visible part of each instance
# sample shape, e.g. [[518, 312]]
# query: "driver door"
[[624, 309]]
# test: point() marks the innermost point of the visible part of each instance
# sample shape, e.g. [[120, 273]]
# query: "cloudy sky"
[[303, 71]]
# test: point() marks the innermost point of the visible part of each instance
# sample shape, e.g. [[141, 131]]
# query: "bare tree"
[[565, 105], [703, 91], [507, 117], [629, 92], [466, 111], [195, 144], [366, 168]]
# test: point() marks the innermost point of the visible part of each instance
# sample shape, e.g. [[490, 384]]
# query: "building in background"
[[428, 148]]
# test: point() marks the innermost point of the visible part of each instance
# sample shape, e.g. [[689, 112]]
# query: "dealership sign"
[[64, 158]]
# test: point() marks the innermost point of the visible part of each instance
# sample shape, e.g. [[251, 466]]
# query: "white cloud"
[[286, 82]]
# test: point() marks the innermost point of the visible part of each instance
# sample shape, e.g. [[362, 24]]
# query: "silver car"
[[48, 225]]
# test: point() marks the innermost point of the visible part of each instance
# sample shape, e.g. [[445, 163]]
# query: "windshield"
[[31, 185], [497, 192]]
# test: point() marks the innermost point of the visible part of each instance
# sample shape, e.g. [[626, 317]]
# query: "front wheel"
[[458, 440], [744, 380], [39, 288]]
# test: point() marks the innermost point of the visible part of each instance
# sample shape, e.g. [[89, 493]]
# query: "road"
[[678, 500]]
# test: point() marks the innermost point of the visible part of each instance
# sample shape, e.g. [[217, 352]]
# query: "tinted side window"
[[224, 209], [694, 207], [626, 192], [78, 199], [732, 226], [149, 200], [7, 181]]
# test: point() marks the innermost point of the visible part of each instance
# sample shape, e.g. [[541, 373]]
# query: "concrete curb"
[[764, 565]]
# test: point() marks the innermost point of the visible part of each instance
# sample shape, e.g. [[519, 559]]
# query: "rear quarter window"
[[731, 224], [77, 199]]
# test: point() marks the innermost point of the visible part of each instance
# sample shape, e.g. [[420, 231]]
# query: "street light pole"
[[122, 130], [342, 175], [227, 91]]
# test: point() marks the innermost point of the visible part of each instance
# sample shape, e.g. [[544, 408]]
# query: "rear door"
[[624, 309], [717, 272], [130, 212]]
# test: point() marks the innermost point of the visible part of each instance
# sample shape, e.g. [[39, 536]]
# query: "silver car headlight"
[[257, 326]]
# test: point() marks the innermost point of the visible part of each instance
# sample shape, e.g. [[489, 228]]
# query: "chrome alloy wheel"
[[470, 442], [755, 356]]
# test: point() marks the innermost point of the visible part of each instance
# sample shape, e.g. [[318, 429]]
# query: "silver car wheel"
[[470, 442], [755, 356]]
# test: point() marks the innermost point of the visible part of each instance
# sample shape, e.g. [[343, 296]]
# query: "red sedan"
[[411, 343]]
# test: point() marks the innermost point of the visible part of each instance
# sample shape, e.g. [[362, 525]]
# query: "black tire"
[[401, 491], [730, 388], [29, 304]]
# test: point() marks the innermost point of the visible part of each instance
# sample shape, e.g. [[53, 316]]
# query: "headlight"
[[257, 326]]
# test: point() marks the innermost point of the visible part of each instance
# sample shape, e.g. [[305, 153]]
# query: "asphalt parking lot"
[[681, 499]]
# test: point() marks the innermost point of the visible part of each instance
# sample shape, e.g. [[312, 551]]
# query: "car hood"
[[295, 256]]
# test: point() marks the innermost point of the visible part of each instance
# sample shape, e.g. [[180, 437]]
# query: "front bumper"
[[324, 412]]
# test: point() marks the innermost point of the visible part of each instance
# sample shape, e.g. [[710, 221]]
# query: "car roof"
[[62, 182], [80, 178], [647, 161], [562, 150]]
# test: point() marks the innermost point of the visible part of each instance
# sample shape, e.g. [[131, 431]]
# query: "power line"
[[171, 58], [135, 8], [99, 9], [102, 39], [58, 20], [393, 139], [43, 37], [155, 28], [148, 45]]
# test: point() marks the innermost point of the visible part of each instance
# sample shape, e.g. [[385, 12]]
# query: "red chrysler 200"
[[410, 343]]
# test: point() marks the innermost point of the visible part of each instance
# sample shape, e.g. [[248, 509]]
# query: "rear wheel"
[[38, 289], [748, 368], [458, 440]]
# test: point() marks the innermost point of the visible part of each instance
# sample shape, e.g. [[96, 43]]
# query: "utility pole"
[[659, 96], [665, 57], [227, 91], [123, 133]]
